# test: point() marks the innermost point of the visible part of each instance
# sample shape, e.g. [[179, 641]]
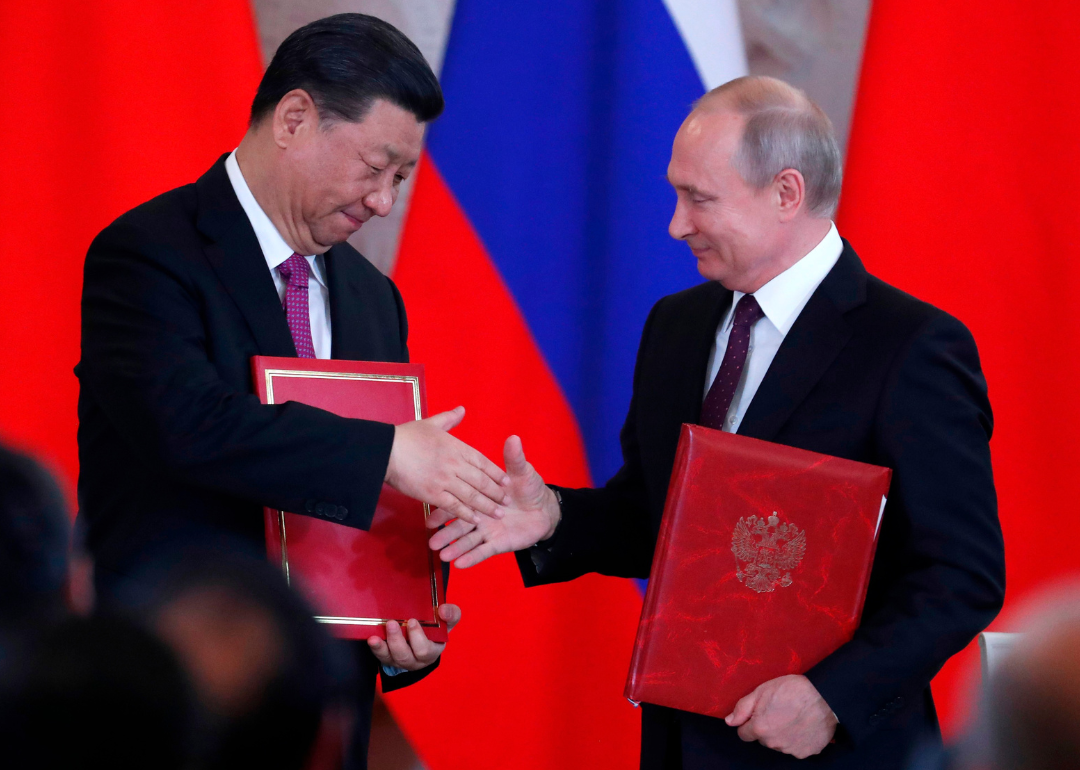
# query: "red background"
[[959, 189]]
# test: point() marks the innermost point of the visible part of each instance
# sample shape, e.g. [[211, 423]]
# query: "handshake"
[[487, 511]]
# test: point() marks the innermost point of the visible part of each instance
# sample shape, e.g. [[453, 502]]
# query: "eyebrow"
[[690, 189]]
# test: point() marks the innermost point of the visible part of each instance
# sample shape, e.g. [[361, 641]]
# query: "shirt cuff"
[[393, 670]]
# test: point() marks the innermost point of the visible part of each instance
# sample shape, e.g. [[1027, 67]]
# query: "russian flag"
[[535, 244]]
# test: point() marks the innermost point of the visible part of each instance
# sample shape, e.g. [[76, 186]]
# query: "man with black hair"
[[93, 692], [252, 259], [267, 676]]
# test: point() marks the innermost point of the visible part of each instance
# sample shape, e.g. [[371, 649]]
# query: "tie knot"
[[295, 270], [748, 311]]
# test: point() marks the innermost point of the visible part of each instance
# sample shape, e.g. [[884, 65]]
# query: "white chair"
[[993, 649]]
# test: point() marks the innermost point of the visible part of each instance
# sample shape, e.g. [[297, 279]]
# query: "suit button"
[[309, 506], [342, 512], [320, 509], [874, 719], [899, 701]]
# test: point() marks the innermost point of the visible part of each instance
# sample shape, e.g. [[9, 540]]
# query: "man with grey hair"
[[790, 340]]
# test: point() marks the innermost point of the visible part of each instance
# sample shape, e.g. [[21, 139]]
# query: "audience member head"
[[265, 672], [34, 534], [92, 693], [336, 126], [757, 171], [1034, 707]]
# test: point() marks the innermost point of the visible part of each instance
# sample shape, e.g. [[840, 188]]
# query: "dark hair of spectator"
[[34, 532], [346, 62], [279, 729], [93, 692]]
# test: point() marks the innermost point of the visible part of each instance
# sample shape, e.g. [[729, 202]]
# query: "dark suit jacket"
[[173, 445], [867, 373]]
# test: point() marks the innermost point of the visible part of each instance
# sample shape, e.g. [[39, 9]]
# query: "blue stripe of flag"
[[556, 138]]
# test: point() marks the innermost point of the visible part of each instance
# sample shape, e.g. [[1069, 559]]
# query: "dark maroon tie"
[[295, 272], [718, 400]]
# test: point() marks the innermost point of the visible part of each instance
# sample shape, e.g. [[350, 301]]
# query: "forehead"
[[704, 145], [389, 130]]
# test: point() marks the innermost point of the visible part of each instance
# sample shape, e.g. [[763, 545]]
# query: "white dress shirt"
[[276, 251], [781, 299]]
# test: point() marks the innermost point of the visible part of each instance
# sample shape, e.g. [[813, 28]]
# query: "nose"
[[681, 226], [381, 199]]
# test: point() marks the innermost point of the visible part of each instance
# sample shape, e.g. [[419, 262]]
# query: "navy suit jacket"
[[868, 373]]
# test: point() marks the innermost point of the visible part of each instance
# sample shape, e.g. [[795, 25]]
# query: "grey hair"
[[784, 129]]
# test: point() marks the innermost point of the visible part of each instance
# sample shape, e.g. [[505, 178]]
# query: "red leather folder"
[[761, 569], [356, 580]]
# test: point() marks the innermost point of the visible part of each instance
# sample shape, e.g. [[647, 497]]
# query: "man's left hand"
[[786, 714], [414, 651]]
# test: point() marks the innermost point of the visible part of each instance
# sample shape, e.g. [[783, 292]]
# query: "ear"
[[790, 191], [294, 115]]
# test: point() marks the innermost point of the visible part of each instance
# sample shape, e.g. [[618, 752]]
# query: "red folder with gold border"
[[357, 580], [761, 568]]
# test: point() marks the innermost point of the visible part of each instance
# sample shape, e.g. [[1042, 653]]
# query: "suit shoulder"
[[162, 217], [690, 302], [888, 306]]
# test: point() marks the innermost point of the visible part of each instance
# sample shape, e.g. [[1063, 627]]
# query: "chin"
[[710, 271], [328, 238]]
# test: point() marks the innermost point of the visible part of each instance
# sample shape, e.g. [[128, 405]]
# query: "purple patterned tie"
[[295, 272], [718, 400]]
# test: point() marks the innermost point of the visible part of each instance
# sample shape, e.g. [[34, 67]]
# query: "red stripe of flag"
[[532, 678], [962, 151], [109, 103]]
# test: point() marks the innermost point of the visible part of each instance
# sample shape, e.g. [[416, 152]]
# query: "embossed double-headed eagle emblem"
[[766, 551]]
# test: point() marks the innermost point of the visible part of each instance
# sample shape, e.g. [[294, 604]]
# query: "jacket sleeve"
[[603, 530], [945, 544], [146, 363]]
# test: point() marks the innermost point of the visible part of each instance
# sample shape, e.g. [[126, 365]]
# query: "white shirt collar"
[[783, 298], [274, 249]]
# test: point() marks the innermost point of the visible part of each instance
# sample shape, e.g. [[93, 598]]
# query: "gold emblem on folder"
[[766, 551]]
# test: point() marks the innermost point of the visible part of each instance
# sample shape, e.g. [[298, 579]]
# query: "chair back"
[[994, 646]]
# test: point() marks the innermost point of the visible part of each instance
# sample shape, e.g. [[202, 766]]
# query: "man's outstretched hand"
[[428, 464], [529, 515]]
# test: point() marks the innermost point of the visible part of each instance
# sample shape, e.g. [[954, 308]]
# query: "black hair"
[[34, 533], [345, 62], [280, 728], [93, 692]]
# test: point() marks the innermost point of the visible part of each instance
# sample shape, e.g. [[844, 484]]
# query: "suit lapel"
[[237, 259], [809, 349], [346, 311]]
